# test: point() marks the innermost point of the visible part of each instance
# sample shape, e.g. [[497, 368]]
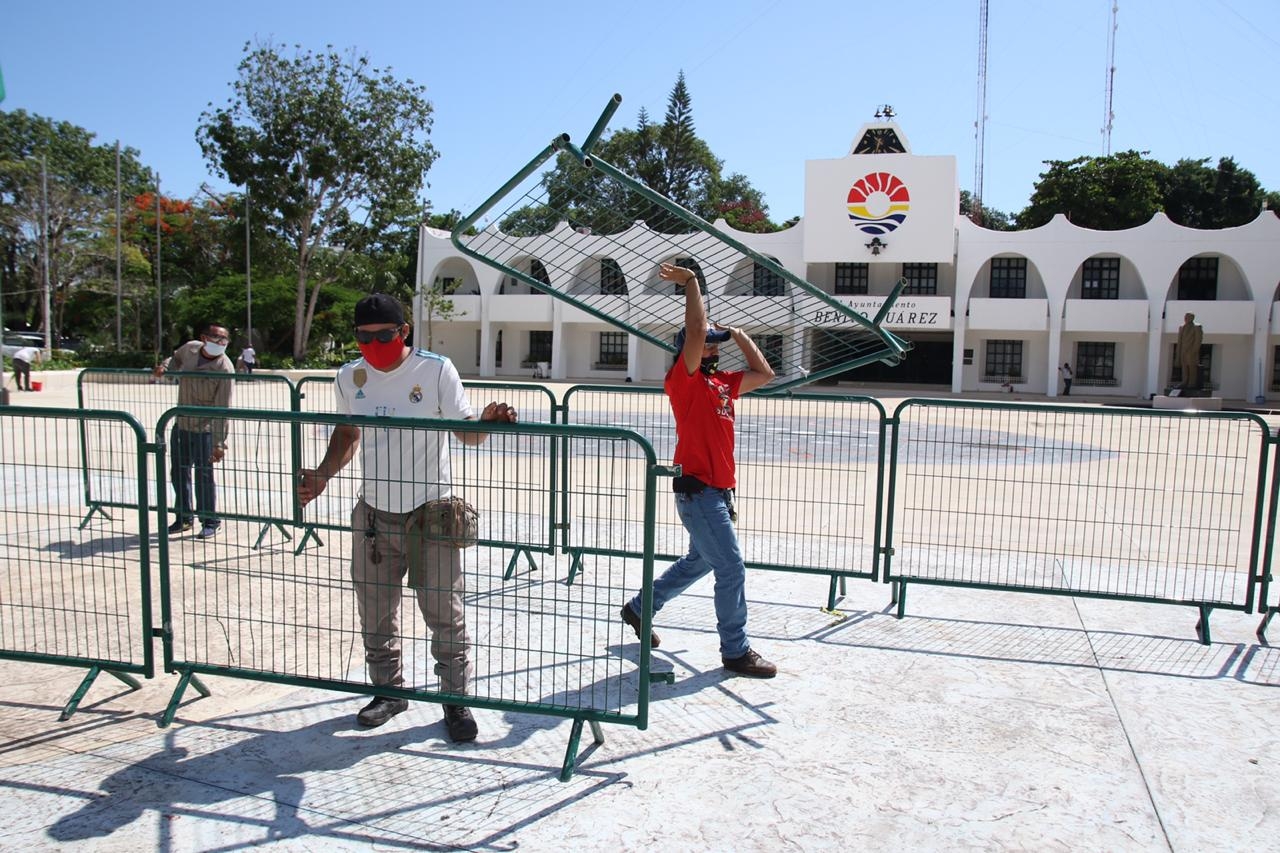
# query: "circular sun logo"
[[878, 203]]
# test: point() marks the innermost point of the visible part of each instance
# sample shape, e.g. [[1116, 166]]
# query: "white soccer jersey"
[[403, 469]]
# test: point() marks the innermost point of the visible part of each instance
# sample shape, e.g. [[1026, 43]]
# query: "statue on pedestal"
[[1190, 337]]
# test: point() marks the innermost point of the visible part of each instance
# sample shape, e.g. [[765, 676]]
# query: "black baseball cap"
[[379, 308]]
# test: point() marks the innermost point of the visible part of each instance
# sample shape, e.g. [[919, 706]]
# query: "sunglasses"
[[382, 336]]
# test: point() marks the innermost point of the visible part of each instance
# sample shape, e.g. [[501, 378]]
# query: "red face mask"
[[382, 356]]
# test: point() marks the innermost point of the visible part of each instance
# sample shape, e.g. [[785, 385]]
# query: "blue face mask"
[[214, 350]]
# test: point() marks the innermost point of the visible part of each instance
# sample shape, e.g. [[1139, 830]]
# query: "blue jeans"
[[193, 450], [713, 547]]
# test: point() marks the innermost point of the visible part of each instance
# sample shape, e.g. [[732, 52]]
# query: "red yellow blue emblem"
[[878, 203]]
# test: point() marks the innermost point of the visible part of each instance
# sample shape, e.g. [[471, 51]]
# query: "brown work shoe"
[[751, 665], [629, 616]]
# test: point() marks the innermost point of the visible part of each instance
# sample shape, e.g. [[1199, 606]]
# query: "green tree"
[[1198, 196], [80, 178], [991, 218], [333, 150], [1104, 193], [669, 158]]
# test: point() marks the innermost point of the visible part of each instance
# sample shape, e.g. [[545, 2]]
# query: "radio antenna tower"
[[980, 124], [1109, 115]]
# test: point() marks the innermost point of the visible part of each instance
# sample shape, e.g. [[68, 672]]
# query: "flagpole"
[[248, 270], [119, 285], [159, 296], [44, 216]]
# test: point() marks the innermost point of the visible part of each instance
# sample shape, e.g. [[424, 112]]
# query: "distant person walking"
[[22, 361], [249, 358], [198, 442], [1067, 376]]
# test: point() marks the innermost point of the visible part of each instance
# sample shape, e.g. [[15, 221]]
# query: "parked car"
[[14, 341]]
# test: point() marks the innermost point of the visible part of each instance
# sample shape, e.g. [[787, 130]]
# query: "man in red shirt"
[[702, 401]]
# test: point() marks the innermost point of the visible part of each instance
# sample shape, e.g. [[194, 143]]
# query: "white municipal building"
[[985, 310]]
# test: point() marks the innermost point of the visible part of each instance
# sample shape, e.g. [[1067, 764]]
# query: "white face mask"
[[214, 350]]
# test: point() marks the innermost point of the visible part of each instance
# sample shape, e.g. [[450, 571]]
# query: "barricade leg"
[[266, 528], [515, 557], [188, 677], [575, 736], [899, 597], [74, 702], [1262, 627], [89, 515], [575, 565], [310, 533], [1202, 624]]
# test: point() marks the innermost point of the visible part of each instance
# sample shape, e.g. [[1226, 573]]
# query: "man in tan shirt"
[[198, 442]]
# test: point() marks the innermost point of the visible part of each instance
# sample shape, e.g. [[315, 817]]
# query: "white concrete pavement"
[[982, 721]]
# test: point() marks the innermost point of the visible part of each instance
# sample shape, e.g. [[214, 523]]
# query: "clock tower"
[[883, 136]]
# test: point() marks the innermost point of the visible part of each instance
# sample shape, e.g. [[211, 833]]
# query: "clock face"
[[879, 140]]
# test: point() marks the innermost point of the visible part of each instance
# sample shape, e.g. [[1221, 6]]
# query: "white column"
[[1055, 347]]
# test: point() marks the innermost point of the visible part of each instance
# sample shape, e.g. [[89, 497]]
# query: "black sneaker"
[[751, 665], [208, 531], [461, 725], [181, 525], [629, 616], [381, 709]]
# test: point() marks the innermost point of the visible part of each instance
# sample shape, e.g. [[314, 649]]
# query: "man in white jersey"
[[403, 470]]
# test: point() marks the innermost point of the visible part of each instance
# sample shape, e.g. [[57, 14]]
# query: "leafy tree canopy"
[[669, 158], [334, 150], [1126, 189]]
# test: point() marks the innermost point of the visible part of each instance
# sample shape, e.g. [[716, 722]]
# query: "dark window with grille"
[[538, 271], [690, 264], [611, 279], [1100, 278], [447, 284], [1198, 279], [539, 347], [1008, 278], [1095, 363], [852, 278], [613, 349], [1004, 361], [1275, 369], [771, 349], [922, 279], [765, 282]]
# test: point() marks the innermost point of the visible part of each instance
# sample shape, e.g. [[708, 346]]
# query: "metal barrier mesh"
[[534, 642], [594, 236], [1120, 503], [139, 394], [68, 594], [808, 469], [534, 403]]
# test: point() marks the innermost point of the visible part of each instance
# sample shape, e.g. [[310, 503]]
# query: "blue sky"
[[774, 82]]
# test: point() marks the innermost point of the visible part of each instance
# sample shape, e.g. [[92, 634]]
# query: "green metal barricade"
[[74, 594], [534, 404], [810, 475], [1113, 503], [536, 645], [144, 397]]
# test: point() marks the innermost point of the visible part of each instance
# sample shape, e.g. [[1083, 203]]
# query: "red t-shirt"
[[703, 408]]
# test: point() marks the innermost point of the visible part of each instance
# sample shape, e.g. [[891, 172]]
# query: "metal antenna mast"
[[980, 125], [1109, 115]]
